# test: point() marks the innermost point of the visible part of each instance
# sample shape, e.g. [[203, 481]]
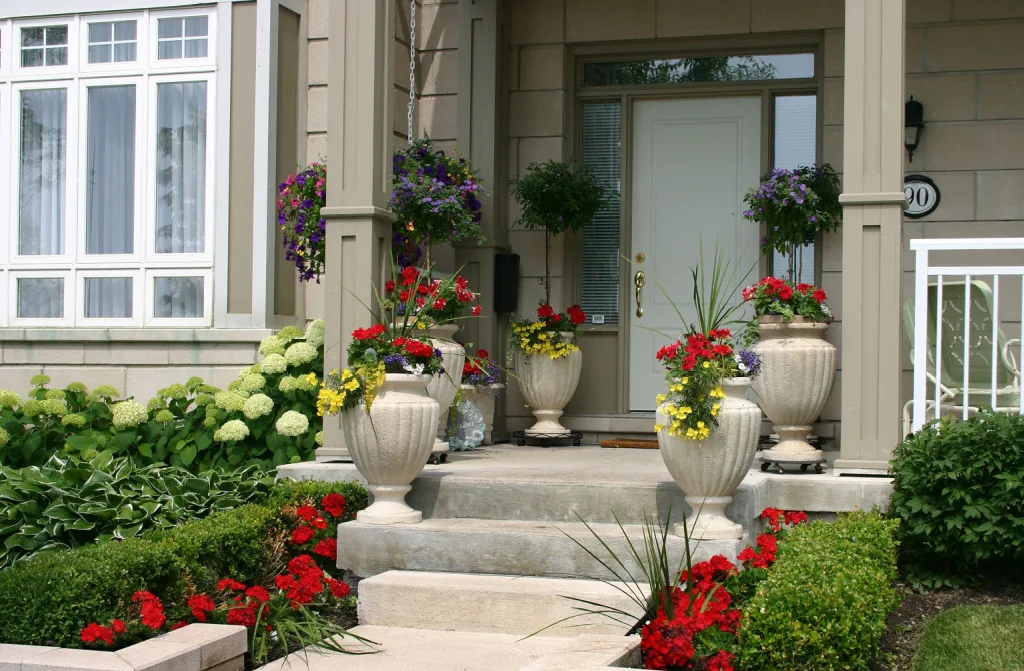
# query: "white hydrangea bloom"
[[9, 399], [271, 345], [4, 437], [287, 384], [229, 400], [274, 364], [128, 413], [234, 429], [292, 423], [319, 438], [106, 391], [253, 382], [315, 333], [300, 353], [73, 420], [257, 405]]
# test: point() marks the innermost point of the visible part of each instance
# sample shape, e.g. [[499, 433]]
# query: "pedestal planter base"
[[708, 521], [547, 424], [389, 506]]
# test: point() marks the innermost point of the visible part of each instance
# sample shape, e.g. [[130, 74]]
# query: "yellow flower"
[[311, 378], [658, 428], [659, 399], [714, 410], [707, 364]]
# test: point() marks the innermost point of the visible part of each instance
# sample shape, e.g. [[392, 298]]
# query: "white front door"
[[694, 160]]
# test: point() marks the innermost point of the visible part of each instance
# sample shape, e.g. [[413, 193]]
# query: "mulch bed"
[[906, 623]]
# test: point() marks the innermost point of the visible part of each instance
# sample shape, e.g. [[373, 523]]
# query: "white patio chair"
[[951, 386]]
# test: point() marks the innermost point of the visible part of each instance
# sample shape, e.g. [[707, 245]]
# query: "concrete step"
[[426, 650], [495, 604], [504, 547]]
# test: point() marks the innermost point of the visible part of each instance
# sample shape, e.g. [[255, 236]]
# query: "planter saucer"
[[546, 439]]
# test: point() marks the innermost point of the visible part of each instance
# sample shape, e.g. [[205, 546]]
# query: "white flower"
[[273, 364], [416, 369], [287, 383], [318, 438], [315, 333], [229, 400], [257, 405], [128, 413], [739, 364], [300, 353], [234, 429], [292, 423], [252, 382], [271, 345], [4, 437], [9, 399]]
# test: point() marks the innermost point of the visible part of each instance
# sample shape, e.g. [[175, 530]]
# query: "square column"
[[873, 204], [360, 119]]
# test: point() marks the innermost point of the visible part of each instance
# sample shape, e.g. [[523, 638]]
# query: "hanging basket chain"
[[412, 65]]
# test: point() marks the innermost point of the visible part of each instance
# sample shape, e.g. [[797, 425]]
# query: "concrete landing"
[[504, 547], [425, 650]]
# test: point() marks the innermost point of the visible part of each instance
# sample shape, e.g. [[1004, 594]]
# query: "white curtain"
[[181, 168], [110, 171], [40, 298], [108, 297], [178, 298], [43, 160]]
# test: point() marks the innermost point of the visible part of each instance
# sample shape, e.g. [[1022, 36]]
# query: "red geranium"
[[94, 632], [152, 611], [545, 311], [475, 311], [334, 504], [258, 594], [303, 534], [368, 334], [229, 585], [200, 605], [327, 548], [576, 314], [338, 588], [306, 512], [118, 626]]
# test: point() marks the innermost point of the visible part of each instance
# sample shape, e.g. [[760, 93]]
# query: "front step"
[[494, 604], [503, 547], [426, 650]]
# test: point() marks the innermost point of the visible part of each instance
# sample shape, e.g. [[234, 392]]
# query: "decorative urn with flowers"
[[388, 420], [707, 429], [548, 364], [799, 365], [432, 309]]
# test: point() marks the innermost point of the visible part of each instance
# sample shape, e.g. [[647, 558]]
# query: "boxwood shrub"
[[958, 490], [823, 605]]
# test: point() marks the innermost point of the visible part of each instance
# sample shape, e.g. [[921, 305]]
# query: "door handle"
[[639, 280]]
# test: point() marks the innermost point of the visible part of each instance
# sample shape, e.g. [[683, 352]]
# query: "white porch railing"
[[956, 327]]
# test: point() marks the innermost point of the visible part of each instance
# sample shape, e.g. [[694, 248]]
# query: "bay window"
[[106, 164]]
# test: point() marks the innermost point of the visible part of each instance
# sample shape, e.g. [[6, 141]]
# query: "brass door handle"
[[639, 280]]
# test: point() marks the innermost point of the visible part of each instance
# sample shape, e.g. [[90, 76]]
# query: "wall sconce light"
[[914, 121]]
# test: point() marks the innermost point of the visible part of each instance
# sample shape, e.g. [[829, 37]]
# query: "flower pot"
[[797, 371], [390, 445], [709, 471], [443, 386], [548, 385], [483, 398]]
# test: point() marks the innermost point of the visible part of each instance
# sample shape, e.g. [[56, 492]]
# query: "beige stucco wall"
[[243, 105]]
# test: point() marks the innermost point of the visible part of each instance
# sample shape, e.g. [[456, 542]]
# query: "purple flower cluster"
[[491, 374], [300, 198], [749, 362], [795, 204]]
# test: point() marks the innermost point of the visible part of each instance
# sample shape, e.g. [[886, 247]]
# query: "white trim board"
[[24, 9]]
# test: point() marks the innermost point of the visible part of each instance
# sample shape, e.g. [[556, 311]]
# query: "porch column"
[[873, 205], [480, 86], [360, 119]]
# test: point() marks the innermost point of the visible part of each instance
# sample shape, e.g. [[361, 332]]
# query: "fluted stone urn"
[[548, 385], [443, 386], [798, 368], [390, 445], [709, 471]]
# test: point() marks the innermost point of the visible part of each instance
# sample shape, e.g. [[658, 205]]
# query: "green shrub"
[[191, 425], [293, 492], [48, 599], [959, 495], [66, 504], [824, 603]]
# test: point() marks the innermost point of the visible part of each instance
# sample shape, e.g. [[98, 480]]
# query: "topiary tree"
[[557, 197]]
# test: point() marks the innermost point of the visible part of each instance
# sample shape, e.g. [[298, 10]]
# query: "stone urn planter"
[[797, 372], [709, 471], [483, 398], [548, 385], [443, 386], [390, 445]]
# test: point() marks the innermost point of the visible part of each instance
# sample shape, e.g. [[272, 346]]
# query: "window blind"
[[602, 151], [794, 146]]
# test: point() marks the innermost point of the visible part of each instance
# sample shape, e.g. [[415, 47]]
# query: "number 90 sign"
[[922, 196]]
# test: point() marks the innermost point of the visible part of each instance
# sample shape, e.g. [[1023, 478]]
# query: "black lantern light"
[[914, 122]]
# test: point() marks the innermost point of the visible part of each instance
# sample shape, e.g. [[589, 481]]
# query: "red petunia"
[[439, 304], [545, 311], [819, 296], [785, 292], [200, 605], [302, 535], [306, 512], [334, 504], [475, 311], [327, 548]]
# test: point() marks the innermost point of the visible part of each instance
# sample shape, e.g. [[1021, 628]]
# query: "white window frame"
[[44, 71], [141, 126], [206, 257], [69, 291], [3, 295], [138, 297], [205, 321], [70, 174], [182, 64], [6, 46], [5, 184], [120, 67]]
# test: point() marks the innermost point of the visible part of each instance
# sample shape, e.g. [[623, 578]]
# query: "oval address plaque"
[[922, 196]]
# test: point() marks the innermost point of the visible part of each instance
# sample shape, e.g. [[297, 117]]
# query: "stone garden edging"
[[197, 647]]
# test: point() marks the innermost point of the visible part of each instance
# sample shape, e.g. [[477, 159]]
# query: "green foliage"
[[959, 495], [557, 198], [823, 605], [184, 425], [47, 600], [297, 492], [970, 638], [68, 503]]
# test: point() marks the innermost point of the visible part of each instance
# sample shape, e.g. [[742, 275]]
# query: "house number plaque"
[[922, 196]]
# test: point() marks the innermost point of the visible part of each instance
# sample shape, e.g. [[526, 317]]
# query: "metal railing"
[[956, 326]]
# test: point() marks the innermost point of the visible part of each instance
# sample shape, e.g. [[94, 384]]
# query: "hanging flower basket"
[[299, 200]]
